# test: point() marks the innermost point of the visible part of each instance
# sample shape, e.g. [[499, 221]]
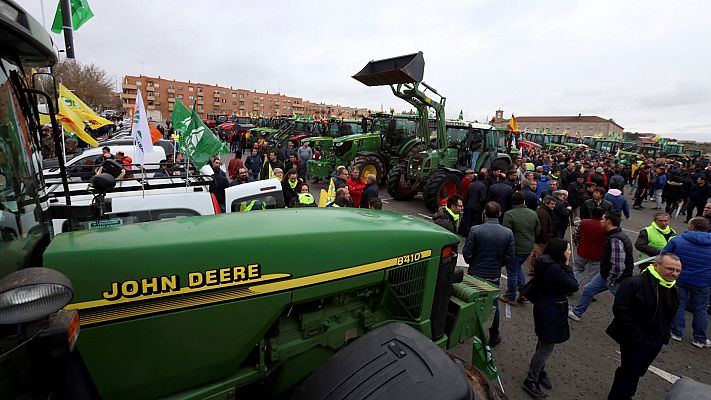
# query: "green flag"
[[80, 14], [181, 116], [197, 140]]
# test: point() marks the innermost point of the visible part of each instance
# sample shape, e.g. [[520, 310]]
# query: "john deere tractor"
[[437, 171], [192, 308], [389, 139]]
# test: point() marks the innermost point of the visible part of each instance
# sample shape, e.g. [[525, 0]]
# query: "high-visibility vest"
[[306, 199], [655, 239]]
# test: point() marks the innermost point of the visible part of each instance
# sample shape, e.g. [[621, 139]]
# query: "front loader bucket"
[[403, 69]]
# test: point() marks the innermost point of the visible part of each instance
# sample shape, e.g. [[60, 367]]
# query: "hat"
[[598, 169], [469, 171]]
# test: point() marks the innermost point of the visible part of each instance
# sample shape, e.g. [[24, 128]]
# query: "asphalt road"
[[583, 367]]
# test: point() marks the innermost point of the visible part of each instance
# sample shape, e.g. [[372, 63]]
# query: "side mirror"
[[32, 294]]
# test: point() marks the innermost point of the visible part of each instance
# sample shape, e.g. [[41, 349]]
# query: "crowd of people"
[[520, 218]]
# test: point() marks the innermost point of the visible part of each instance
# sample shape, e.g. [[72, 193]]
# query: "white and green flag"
[[196, 139], [140, 132]]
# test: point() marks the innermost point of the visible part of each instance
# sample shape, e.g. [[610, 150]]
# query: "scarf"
[[664, 231], [292, 185], [453, 214], [659, 278]]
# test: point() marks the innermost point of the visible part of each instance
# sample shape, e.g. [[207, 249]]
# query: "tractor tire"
[[440, 186], [397, 188], [370, 165], [412, 151]]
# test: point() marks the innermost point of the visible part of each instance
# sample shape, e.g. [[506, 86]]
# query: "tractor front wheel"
[[397, 184], [440, 186], [370, 165]]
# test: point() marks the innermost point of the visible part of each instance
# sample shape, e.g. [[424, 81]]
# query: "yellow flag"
[[73, 123], [82, 110], [323, 199]]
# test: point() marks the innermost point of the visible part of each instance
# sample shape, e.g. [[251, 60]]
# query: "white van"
[[127, 206], [76, 168]]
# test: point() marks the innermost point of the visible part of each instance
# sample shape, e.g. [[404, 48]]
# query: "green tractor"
[[336, 128], [438, 170], [390, 138], [193, 308]]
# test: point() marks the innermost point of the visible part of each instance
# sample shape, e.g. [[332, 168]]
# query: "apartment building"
[[582, 125], [160, 94]]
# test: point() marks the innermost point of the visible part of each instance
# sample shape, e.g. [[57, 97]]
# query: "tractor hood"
[[353, 137], [261, 252]]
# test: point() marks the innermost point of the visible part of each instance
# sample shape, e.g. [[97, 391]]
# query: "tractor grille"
[[408, 285]]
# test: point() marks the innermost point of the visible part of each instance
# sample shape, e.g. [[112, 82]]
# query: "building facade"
[[580, 125], [159, 96]]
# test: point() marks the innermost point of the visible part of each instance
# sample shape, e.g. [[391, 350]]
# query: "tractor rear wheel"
[[397, 185], [370, 165], [441, 185]]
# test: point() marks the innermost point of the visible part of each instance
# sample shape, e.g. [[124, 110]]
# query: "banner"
[[80, 14], [196, 139], [140, 132]]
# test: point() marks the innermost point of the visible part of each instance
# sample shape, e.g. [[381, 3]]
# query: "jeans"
[[658, 198], [494, 329], [515, 278], [579, 268], [641, 194], [698, 297], [635, 359], [538, 362], [596, 286]]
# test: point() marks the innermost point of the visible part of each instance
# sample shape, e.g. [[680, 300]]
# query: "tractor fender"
[[408, 145], [366, 153], [453, 170]]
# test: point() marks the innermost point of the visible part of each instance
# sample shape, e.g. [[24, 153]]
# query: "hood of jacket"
[[615, 192], [543, 263], [544, 178], [698, 238]]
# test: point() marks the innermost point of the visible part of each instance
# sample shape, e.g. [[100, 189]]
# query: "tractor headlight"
[[32, 294]]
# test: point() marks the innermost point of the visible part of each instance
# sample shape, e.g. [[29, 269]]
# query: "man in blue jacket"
[[617, 199], [489, 247], [693, 248]]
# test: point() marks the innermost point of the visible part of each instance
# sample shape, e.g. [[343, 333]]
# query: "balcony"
[[170, 107], [149, 107], [128, 96], [129, 86], [171, 100], [171, 90], [217, 94], [150, 97], [200, 102]]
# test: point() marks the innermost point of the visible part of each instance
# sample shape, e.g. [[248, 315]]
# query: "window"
[[171, 95], [170, 86], [157, 104], [264, 202], [156, 85], [180, 96], [199, 98], [138, 83], [234, 103], [223, 92], [241, 95], [191, 97], [241, 103], [199, 90], [224, 100], [234, 95], [156, 94], [180, 88], [200, 107]]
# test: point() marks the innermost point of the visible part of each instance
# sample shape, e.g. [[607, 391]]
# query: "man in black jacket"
[[476, 198], [370, 191], [644, 308]]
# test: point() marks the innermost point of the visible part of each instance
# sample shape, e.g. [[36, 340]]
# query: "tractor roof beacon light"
[[33, 293]]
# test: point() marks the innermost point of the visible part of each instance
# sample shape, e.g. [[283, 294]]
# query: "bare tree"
[[88, 81]]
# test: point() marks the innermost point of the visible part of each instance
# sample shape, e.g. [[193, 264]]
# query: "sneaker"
[[572, 316], [531, 387], [508, 300], [675, 337], [702, 345]]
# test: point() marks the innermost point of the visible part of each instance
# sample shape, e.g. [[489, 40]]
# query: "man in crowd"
[[643, 311], [449, 216], [707, 213], [616, 265], [552, 188], [589, 239], [304, 154], [270, 164], [242, 177], [652, 239], [642, 186], [596, 201], [476, 198], [618, 201], [561, 213], [544, 212], [288, 186], [528, 189], [370, 191], [501, 193], [219, 182], [693, 247], [253, 164], [698, 197], [525, 226], [490, 246]]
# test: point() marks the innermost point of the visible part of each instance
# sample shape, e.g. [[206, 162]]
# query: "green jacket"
[[525, 226]]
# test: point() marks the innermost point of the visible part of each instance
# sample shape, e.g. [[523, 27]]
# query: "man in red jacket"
[[589, 238]]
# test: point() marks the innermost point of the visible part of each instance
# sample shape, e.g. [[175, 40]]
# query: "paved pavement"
[[583, 367]]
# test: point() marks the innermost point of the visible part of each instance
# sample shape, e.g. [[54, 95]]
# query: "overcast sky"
[[646, 64]]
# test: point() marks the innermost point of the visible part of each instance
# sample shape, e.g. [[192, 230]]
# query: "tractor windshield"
[[351, 128], [23, 221], [606, 146], [456, 135], [555, 139], [380, 124]]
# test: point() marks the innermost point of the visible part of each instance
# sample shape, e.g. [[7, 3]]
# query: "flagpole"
[[187, 174], [143, 181]]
